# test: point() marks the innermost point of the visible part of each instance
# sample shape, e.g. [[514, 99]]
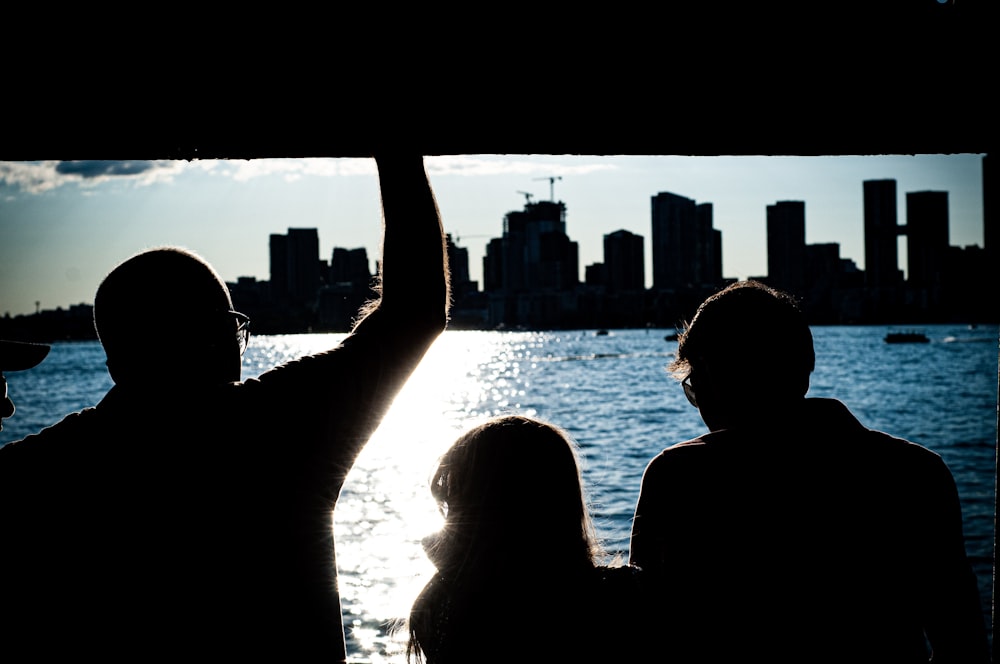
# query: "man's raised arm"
[[413, 276]]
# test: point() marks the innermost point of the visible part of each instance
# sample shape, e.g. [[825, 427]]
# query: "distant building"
[[515, 261], [346, 287], [296, 273], [249, 294], [881, 232], [531, 273], [596, 275], [458, 269], [687, 257], [304, 274], [624, 261], [833, 286], [674, 231], [278, 264], [883, 279], [686, 249], [349, 266], [926, 247], [786, 246], [709, 250], [470, 308]]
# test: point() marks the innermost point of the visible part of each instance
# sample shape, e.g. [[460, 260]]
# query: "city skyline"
[[57, 217]]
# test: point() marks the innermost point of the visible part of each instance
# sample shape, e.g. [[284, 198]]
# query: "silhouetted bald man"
[[189, 515]]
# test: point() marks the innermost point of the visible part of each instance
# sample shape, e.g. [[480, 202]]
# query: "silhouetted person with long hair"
[[791, 532], [189, 514], [17, 356], [520, 572]]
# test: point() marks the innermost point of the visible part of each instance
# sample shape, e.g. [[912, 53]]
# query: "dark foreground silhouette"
[[189, 513], [519, 573], [791, 532]]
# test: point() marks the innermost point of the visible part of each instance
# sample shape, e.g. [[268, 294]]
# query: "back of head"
[[508, 486], [752, 341], [163, 315], [516, 526]]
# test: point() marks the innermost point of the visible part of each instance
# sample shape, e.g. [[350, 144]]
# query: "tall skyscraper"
[[278, 263], [786, 246], [674, 232], [709, 267], [295, 265], [624, 264], [304, 276], [687, 250], [926, 237], [881, 232]]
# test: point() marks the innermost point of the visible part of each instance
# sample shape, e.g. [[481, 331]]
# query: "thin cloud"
[[488, 165], [292, 169], [37, 177]]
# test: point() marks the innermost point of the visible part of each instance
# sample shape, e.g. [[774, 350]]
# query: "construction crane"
[[552, 179], [527, 196], [458, 238]]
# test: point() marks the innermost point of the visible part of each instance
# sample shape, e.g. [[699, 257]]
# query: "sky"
[[65, 225]]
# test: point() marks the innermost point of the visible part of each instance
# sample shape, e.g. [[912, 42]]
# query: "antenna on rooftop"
[[552, 179]]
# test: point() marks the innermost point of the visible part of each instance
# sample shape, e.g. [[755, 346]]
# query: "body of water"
[[612, 394]]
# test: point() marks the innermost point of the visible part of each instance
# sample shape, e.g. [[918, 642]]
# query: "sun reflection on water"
[[386, 509]]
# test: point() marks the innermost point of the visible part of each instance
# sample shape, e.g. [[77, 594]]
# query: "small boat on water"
[[671, 337], [601, 333], [907, 337]]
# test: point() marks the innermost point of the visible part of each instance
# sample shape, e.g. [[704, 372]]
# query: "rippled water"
[[612, 394]]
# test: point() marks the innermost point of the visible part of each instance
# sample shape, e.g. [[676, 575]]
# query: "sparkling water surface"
[[612, 394]]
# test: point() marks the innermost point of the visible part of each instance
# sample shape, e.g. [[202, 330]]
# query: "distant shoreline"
[[76, 324]]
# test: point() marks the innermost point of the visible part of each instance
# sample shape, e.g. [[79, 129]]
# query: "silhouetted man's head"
[[164, 316], [747, 349]]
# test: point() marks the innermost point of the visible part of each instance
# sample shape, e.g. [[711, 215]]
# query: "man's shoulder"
[[904, 456], [836, 421], [693, 446], [52, 457], [707, 443], [685, 452], [33, 462], [68, 427]]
